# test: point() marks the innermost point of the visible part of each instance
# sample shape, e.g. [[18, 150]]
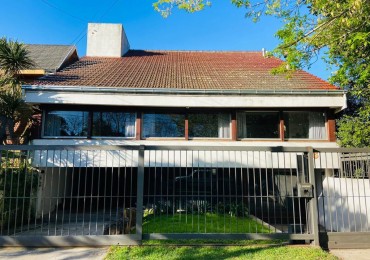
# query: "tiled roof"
[[183, 70], [49, 57]]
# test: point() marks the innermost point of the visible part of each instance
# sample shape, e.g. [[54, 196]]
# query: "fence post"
[[313, 204], [140, 193]]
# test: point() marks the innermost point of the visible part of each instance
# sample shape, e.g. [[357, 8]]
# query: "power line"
[[108, 9], [63, 11], [78, 38], [84, 31]]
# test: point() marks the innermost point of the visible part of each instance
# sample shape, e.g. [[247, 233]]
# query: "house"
[[48, 59], [120, 96]]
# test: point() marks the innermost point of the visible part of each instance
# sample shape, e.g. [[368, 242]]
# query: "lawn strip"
[[186, 252]]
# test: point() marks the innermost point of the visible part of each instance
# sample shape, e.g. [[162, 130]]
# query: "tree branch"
[[314, 30]]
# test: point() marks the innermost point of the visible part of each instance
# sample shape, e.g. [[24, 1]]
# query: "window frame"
[[111, 137], [161, 112], [209, 138], [233, 113], [286, 138], [44, 112], [278, 112]]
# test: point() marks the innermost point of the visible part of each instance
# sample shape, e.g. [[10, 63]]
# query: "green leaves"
[[164, 7], [241, 3], [354, 131], [13, 57]]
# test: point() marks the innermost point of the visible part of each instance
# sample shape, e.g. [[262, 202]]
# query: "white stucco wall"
[[202, 101], [165, 158], [54, 186], [344, 204]]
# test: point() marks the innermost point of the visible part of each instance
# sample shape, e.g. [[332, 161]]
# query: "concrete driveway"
[[53, 253], [351, 254]]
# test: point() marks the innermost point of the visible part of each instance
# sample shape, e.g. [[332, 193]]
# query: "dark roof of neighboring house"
[[51, 58], [183, 70]]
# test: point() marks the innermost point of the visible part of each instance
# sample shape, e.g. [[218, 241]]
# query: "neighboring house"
[[49, 59], [116, 95]]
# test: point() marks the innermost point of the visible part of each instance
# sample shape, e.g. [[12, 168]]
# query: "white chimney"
[[106, 40]]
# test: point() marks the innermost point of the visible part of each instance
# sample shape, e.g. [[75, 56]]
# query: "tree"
[[13, 58], [337, 30]]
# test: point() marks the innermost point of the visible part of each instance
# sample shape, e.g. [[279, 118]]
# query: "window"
[[258, 124], [66, 123], [209, 125], [113, 124], [163, 125], [305, 125]]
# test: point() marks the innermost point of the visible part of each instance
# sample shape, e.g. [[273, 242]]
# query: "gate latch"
[[305, 190]]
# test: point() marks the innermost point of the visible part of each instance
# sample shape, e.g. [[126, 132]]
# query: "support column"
[[140, 194], [331, 126], [313, 204], [138, 125], [281, 126], [233, 126]]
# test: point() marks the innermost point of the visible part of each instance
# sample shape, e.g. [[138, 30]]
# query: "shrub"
[[234, 209]]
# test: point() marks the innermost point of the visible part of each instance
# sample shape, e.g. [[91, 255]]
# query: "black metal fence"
[[97, 195]]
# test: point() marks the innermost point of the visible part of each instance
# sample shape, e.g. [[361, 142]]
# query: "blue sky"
[[220, 27]]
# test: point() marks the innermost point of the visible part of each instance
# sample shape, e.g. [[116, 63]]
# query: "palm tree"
[[13, 59]]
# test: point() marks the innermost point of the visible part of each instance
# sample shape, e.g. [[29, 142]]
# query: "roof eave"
[[94, 89]]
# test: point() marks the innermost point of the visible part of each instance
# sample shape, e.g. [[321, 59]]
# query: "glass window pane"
[[114, 124], [163, 125], [66, 123], [209, 125], [305, 125], [258, 125]]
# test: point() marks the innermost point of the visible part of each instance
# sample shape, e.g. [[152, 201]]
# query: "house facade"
[[116, 95]]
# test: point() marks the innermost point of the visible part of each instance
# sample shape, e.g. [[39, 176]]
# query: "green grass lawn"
[[202, 223], [252, 250]]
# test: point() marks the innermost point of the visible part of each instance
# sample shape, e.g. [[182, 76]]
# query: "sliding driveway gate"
[[103, 195]]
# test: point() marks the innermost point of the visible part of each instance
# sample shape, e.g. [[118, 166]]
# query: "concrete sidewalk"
[[351, 254], [49, 253]]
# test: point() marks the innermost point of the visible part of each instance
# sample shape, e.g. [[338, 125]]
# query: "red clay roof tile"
[[183, 70]]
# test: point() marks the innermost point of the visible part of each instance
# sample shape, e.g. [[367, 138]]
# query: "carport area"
[[72, 202]]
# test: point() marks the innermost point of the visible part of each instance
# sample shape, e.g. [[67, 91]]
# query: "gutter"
[[169, 91]]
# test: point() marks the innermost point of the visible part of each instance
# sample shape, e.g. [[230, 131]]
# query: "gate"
[[344, 197], [227, 193], [103, 195]]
